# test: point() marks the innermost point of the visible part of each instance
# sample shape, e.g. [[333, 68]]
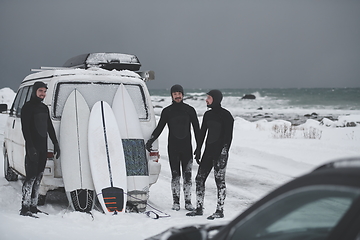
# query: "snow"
[[96, 58], [261, 159], [6, 96]]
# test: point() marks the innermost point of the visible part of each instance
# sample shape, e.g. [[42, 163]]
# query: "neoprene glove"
[[56, 150], [148, 144], [197, 154]]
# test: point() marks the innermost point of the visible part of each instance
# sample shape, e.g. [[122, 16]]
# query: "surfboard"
[[75, 164], [107, 160], [134, 148]]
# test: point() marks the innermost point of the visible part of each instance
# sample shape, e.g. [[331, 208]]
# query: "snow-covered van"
[[97, 76]]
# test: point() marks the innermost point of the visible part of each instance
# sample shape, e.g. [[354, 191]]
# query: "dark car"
[[323, 204]]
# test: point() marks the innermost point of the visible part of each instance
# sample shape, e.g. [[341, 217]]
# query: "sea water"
[[292, 104]]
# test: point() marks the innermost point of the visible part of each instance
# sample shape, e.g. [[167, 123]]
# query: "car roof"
[[344, 176], [345, 172], [351, 162]]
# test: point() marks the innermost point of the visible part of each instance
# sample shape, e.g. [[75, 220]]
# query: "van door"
[[9, 131], [15, 137]]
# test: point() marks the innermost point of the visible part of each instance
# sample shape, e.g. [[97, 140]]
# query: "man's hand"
[[148, 144], [56, 150], [197, 154]]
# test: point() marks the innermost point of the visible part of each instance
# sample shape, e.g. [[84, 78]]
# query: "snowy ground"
[[259, 162]]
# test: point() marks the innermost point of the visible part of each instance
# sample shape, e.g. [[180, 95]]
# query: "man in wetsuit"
[[178, 116], [36, 124], [218, 124]]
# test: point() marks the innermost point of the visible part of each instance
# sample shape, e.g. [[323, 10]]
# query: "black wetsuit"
[[36, 124], [178, 117], [218, 124]]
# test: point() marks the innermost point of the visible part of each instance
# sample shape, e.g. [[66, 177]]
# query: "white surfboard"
[[107, 158], [75, 164], [134, 148]]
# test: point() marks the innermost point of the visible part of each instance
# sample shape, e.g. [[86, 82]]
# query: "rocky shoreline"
[[295, 119], [296, 116]]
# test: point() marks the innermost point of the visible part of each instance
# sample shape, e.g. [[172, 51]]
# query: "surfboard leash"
[[152, 214], [68, 208]]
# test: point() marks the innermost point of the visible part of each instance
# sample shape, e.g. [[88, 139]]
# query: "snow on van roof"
[[47, 72], [96, 58], [109, 61]]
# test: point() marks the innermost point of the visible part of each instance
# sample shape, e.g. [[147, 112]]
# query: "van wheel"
[[9, 174]]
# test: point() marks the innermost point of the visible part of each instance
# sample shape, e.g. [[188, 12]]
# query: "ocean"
[[291, 104]]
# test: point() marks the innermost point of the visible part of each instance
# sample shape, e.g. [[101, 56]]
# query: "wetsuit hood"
[[36, 86], [217, 98]]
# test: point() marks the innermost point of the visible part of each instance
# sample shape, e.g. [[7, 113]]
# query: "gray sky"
[[198, 44]]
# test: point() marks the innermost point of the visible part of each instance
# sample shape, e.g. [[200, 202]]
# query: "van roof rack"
[[108, 61], [48, 68], [145, 75]]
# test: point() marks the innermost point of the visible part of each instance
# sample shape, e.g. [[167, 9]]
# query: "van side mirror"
[[3, 107], [147, 75]]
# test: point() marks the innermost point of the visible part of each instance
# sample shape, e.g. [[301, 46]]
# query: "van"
[[97, 76]]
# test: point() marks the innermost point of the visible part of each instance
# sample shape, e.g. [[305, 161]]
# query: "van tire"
[[9, 174]]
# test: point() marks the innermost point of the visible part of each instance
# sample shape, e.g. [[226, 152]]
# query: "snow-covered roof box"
[[109, 61]]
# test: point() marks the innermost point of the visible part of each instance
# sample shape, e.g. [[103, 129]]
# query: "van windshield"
[[101, 91]]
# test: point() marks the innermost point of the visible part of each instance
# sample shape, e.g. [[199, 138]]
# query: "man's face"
[[177, 96], [41, 93], [209, 100]]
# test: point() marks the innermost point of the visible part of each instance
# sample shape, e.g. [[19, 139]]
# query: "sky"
[[198, 44]]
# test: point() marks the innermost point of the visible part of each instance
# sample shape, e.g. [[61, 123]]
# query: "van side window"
[[22, 101], [22, 96], [137, 95], [29, 94], [15, 105]]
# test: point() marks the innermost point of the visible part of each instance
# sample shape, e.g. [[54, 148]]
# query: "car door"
[[16, 140], [10, 125]]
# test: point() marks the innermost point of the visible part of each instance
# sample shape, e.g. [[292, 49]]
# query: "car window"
[[99, 91], [22, 96], [137, 95], [22, 100], [28, 94], [310, 211], [16, 102]]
